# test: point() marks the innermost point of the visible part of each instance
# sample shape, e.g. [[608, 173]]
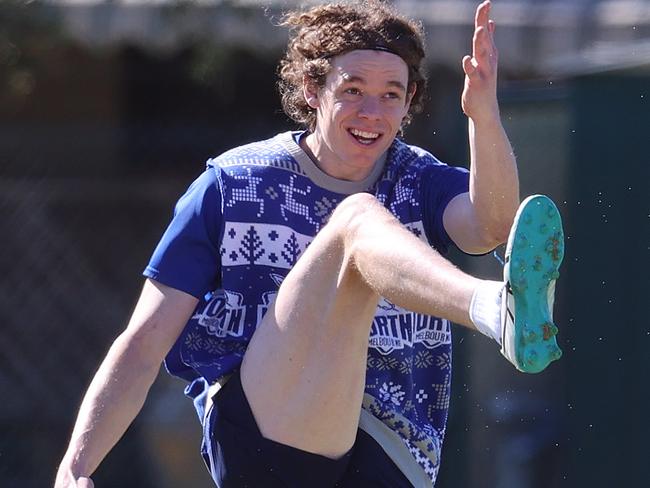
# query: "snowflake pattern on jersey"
[[271, 212], [391, 393]]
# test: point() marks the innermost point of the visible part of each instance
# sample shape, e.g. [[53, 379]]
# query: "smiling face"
[[359, 111]]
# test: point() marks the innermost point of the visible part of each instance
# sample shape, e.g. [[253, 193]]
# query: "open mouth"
[[363, 137]]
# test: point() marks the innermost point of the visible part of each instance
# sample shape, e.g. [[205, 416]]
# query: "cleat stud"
[[522, 241], [531, 357], [529, 335], [538, 263], [543, 228], [549, 330], [528, 219], [554, 352], [555, 275]]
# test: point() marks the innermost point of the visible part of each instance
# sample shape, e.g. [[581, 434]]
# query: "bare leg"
[[304, 370]]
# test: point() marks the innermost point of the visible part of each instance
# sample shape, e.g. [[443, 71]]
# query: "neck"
[[328, 162]]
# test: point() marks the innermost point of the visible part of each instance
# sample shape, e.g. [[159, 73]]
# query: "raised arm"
[[120, 386], [480, 220]]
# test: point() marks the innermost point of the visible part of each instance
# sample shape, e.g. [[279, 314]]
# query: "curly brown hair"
[[322, 32]]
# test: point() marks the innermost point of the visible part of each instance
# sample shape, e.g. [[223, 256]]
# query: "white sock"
[[485, 309]]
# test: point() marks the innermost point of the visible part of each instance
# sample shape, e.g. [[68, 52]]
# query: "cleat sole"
[[534, 339]]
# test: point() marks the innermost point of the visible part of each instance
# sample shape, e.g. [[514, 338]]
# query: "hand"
[[479, 98]]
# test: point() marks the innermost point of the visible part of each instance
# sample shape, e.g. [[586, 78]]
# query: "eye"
[[353, 91], [393, 95]]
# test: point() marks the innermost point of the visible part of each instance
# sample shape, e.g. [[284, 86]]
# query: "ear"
[[310, 92]]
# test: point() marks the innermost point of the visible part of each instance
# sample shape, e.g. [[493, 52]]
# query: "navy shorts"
[[238, 456]]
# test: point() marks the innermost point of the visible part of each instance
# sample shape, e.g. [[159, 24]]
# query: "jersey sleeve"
[[187, 257], [440, 184]]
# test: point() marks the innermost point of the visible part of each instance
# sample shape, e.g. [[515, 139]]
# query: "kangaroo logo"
[[223, 314]]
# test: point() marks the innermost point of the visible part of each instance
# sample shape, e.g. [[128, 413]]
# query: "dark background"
[[102, 129]]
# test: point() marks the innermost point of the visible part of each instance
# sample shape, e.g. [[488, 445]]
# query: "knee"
[[353, 212], [352, 209]]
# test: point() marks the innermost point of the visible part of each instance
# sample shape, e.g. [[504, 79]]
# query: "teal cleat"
[[533, 256]]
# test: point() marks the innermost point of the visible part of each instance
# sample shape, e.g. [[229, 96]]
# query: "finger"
[[482, 14], [492, 27], [481, 44]]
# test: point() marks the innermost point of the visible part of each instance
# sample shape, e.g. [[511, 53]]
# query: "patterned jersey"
[[245, 222]]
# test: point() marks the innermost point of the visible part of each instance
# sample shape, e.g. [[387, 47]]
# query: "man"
[[297, 286]]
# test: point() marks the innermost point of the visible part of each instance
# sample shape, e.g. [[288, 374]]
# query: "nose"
[[370, 108]]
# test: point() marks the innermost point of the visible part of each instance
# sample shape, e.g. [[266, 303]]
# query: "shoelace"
[[498, 258]]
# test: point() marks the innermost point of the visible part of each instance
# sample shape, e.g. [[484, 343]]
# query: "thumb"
[[469, 66], [84, 482]]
